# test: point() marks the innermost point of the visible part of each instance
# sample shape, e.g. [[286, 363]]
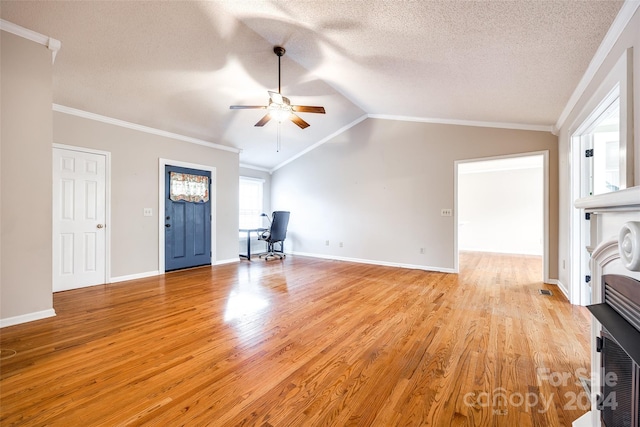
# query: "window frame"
[[252, 219]]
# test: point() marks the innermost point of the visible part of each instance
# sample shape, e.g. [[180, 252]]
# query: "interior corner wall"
[[134, 186], [26, 179], [629, 38], [379, 188]]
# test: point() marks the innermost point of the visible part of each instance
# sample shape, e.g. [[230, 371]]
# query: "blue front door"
[[187, 225]]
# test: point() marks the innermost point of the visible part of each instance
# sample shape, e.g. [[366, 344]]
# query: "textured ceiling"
[[177, 65]]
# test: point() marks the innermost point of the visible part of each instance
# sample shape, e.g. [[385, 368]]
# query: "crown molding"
[[517, 126], [625, 14], [255, 168], [52, 44], [141, 128]]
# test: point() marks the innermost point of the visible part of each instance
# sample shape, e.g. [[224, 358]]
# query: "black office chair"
[[276, 234]]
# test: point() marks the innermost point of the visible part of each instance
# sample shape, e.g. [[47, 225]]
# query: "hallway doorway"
[[502, 206]]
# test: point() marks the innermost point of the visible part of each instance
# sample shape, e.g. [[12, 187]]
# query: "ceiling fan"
[[280, 107]]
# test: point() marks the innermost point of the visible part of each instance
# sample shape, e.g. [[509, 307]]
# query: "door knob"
[[167, 225], [100, 226]]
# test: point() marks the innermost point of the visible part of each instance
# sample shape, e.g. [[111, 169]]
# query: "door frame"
[[107, 203], [161, 205], [617, 83], [545, 196]]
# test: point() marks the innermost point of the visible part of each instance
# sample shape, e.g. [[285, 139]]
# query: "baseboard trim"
[[134, 276], [227, 261], [591, 418], [157, 273], [24, 318], [376, 262], [562, 287]]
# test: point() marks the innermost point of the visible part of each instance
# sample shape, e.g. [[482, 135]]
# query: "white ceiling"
[[177, 66]]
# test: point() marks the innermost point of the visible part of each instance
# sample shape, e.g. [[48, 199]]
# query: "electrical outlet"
[[422, 251], [340, 244], [147, 212], [326, 243], [445, 212]]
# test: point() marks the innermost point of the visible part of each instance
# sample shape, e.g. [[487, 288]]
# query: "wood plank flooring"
[[304, 342]]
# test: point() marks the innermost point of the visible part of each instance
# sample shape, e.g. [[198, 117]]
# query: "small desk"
[[249, 231]]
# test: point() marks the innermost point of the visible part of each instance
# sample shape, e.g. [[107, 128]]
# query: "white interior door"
[[79, 213]]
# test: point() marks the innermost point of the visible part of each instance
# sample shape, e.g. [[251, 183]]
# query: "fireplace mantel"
[[615, 201], [609, 214]]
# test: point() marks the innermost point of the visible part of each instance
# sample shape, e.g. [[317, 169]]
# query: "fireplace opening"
[[619, 345], [619, 386]]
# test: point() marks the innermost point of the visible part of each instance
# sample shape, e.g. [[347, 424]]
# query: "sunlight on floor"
[[244, 302]]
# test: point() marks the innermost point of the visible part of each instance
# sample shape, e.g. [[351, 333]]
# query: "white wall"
[[379, 189], [629, 38], [134, 186], [25, 180], [500, 207]]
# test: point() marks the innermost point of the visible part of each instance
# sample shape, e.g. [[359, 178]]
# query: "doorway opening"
[[502, 206]]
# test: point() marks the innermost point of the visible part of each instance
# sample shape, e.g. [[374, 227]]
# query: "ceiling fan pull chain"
[[278, 140]]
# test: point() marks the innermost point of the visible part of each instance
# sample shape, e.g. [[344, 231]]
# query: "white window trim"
[[256, 180]]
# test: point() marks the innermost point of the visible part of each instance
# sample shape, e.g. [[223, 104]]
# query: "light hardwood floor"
[[304, 342]]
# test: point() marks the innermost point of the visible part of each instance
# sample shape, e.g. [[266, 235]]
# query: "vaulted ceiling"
[[177, 66]]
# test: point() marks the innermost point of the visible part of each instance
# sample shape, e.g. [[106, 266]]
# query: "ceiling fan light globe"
[[280, 114], [276, 97]]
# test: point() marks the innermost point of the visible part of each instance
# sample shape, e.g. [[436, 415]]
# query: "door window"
[[188, 187]]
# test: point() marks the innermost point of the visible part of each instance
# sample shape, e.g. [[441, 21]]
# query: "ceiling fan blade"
[[307, 109], [297, 120], [247, 107], [263, 121], [276, 97]]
